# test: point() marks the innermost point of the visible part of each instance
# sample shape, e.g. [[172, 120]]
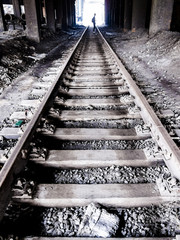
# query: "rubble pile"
[[15, 59], [7, 144], [98, 222]]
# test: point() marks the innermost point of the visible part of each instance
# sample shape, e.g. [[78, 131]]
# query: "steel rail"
[[18, 158], [170, 150]]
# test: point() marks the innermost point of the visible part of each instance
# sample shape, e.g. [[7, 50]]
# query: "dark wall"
[[7, 1], [175, 24], [118, 13], [148, 13], [114, 12]]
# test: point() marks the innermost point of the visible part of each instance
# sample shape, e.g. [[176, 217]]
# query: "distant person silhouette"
[[94, 23]]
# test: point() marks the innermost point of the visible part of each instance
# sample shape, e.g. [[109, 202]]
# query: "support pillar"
[[41, 4], [121, 14], [127, 15], [50, 14], [59, 13], [74, 13], [112, 13], [2, 22], [32, 20], [107, 12], [161, 15], [16, 7], [139, 14], [175, 24], [116, 12], [65, 15], [67, 12], [70, 12]]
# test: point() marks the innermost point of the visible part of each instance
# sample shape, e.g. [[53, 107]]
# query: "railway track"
[[98, 162]]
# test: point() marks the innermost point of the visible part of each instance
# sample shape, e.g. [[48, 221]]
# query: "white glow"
[[91, 7], [8, 9]]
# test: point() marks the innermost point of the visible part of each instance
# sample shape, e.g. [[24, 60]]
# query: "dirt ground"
[[153, 60], [23, 63], [18, 54]]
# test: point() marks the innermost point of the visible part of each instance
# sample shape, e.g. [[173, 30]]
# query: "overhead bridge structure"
[[154, 15]]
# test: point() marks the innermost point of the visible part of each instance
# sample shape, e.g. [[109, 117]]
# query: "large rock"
[[97, 222]]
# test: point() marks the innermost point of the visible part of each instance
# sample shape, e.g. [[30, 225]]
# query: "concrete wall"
[[59, 13], [175, 24], [139, 14], [161, 15], [155, 15], [127, 15], [32, 20], [16, 7], [50, 14], [2, 23]]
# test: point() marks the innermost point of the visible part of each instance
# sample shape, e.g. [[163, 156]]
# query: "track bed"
[[95, 161]]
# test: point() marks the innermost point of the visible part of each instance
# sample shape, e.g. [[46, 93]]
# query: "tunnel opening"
[[85, 10], [8, 6]]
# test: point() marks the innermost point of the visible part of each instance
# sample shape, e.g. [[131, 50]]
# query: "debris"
[[97, 222], [11, 133]]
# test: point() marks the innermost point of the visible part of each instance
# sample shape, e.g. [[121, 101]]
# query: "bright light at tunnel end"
[[90, 8]]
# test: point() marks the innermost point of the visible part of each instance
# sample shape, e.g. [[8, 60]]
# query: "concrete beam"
[[161, 15], [50, 14], [16, 7], [139, 14], [127, 15], [2, 22], [32, 20]]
